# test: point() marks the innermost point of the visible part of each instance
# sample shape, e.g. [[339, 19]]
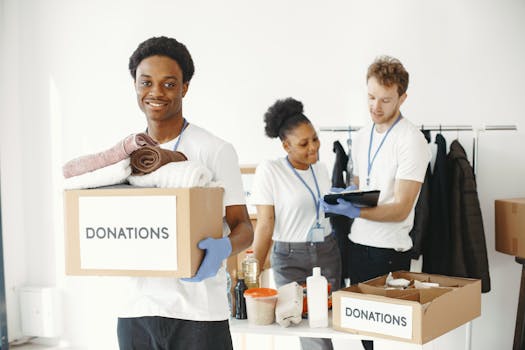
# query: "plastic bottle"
[[317, 295], [250, 268], [240, 301], [229, 290]]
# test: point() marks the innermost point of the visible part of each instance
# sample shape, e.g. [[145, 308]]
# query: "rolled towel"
[[148, 159], [113, 174], [175, 175], [120, 151]]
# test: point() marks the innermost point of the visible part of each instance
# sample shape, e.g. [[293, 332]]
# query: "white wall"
[[66, 92], [11, 152]]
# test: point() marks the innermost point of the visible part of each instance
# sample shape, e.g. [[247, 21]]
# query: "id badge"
[[317, 233]]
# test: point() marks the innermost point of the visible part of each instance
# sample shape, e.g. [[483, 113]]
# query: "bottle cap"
[[249, 251], [316, 271]]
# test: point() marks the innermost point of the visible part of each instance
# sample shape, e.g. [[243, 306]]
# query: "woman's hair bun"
[[279, 113]]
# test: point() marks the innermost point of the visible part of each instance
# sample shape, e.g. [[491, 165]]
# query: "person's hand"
[[336, 190], [342, 208], [216, 250], [340, 189], [351, 188]]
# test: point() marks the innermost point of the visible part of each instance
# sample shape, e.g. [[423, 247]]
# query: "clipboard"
[[358, 198]]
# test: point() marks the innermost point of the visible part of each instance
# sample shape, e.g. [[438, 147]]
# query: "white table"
[[303, 330]]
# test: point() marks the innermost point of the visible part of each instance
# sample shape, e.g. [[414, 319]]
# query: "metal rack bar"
[[433, 127]]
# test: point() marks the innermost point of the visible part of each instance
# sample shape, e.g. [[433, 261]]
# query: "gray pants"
[[295, 261]]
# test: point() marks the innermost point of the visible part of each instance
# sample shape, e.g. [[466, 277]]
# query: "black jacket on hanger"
[[436, 249], [420, 230], [468, 247], [340, 223], [341, 160]]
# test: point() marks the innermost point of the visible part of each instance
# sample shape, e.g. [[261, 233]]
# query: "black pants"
[[370, 262], [162, 333]]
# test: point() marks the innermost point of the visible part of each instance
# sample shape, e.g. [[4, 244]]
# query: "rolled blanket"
[[148, 159], [175, 175], [113, 174], [120, 151]]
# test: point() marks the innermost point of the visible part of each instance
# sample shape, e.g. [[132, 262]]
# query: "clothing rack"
[[441, 128], [438, 127]]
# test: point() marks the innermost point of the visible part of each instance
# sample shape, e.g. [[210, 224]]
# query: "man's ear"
[[402, 98], [185, 87]]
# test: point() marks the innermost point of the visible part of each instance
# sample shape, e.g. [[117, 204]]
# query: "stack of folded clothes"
[[121, 151], [139, 160]]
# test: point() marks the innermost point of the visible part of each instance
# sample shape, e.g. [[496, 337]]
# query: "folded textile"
[[148, 159], [175, 175], [120, 151], [113, 174], [289, 306]]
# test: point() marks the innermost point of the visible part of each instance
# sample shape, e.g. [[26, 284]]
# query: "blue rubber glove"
[[336, 190], [216, 250], [342, 208], [340, 189], [351, 188]]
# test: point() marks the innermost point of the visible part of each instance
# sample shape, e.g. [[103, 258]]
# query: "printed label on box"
[[371, 316], [128, 232]]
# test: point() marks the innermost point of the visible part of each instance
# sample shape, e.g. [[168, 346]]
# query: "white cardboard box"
[[135, 231]]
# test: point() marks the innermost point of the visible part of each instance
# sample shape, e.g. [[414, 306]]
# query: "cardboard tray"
[[409, 315]]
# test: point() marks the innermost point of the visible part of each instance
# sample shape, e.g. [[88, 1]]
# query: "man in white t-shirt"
[[390, 155], [171, 313]]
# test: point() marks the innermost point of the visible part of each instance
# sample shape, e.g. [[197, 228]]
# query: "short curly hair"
[[284, 116], [163, 46], [389, 71]]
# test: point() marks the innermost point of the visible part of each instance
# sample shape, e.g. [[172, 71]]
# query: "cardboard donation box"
[[132, 231], [510, 226], [414, 315]]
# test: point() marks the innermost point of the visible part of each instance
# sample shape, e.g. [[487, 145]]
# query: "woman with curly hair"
[[287, 192]]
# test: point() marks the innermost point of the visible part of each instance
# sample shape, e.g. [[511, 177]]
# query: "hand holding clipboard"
[[356, 197], [349, 202]]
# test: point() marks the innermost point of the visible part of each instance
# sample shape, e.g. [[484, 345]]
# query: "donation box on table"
[[132, 231], [415, 315]]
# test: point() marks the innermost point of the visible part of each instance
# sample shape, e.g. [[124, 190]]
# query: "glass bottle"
[[240, 302], [250, 269]]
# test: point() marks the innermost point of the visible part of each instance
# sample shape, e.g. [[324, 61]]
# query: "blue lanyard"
[[317, 201], [370, 163], [180, 135]]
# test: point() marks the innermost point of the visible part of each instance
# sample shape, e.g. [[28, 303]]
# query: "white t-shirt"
[[171, 297], [404, 155], [295, 213]]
